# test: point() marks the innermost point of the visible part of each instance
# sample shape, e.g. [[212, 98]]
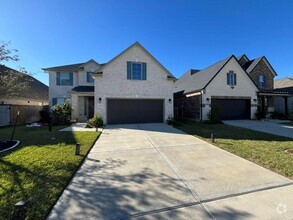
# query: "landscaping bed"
[[39, 168], [267, 150]]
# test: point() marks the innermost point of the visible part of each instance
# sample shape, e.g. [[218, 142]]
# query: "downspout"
[[201, 105]]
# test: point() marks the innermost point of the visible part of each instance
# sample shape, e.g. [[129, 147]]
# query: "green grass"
[[39, 168], [261, 148], [288, 123]]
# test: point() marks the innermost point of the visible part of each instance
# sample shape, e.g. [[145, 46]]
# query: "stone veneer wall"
[[262, 69]]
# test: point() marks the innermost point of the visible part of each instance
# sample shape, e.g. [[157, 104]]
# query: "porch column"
[[286, 105], [74, 105]]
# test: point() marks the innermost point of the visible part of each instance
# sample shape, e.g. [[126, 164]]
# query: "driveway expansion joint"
[[193, 193]]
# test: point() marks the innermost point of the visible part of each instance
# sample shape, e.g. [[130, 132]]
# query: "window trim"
[[136, 63], [89, 77], [231, 78], [261, 84], [59, 80], [143, 74]]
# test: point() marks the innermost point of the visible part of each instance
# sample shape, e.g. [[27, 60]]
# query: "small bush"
[[45, 115], [278, 115], [61, 114], [214, 115], [172, 121], [95, 122]]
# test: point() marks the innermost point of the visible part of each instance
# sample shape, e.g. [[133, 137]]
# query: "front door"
[[91, 107]]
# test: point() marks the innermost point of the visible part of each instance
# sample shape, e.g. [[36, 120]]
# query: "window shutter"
[[71, 78], [144, 71], [128, 70], [54, 102], [87, 77], [58, 78], [235, 79], [228, 78]]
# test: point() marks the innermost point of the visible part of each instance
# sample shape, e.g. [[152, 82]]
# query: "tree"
[[12, 82]]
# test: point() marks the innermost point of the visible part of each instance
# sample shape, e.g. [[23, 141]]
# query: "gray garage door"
[[128, 111], [232, 109]]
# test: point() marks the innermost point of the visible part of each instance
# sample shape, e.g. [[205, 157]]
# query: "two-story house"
[[133, 87], [236, 87]]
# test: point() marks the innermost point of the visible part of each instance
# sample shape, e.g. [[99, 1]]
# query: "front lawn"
[[288, 123], [261, 148], [39, 168]]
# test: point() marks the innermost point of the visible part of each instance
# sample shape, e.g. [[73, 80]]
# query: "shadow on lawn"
[[17, 190], [103, 190], [25, 172], [223, 131], [35, 136]]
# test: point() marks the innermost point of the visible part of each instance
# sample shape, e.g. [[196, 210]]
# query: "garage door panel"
[[232, 109], [127, 111]]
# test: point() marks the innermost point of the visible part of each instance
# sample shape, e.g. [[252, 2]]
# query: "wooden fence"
[[27, 114]]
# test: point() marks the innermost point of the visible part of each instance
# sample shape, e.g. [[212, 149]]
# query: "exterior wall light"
[[170, 100], [255, 100], [100, 100]]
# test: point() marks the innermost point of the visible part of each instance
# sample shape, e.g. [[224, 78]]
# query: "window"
[[58, 101], [231, 79], [64, 79], [89, 77], [261, 81], [136, 71]]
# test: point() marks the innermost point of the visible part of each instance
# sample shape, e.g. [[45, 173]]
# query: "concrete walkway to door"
[[264, 126], [154, 171]]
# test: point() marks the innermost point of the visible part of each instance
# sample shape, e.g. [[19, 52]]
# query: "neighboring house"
[[284, 104], [133, 87], [28, 101], [35, 95], [233, 86]]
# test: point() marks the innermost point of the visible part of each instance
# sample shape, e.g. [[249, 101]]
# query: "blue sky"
[[180, 34]]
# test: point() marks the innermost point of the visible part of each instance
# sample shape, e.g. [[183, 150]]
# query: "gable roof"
[[199, 80], [284, 82], [243, 56], [71, 67], [148, 53], [253, 63], [37, 90]]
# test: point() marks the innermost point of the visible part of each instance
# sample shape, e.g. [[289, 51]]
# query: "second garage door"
[[232, 109], [129, 111]]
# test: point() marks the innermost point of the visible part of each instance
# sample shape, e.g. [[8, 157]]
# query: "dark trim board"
[[132, 111]]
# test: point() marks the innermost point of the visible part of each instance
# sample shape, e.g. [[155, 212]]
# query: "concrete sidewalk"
[[264, 126], [153, 171]]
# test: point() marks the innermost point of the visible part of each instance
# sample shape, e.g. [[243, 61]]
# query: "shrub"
[[62, 113], [214, 115], [278, 115], [95, 122], [171, 121], [45, 115]]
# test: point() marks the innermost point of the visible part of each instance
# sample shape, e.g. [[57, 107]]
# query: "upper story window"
[[231, 78], [136, 71], [261, 81], [89, 77], [64, 79]]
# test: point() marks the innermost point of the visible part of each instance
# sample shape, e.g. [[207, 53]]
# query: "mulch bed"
[[6, 144]]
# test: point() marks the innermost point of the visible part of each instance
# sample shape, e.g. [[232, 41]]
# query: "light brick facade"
[[113, 83]]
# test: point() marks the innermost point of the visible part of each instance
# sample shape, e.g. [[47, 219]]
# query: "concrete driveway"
[[264, 126], [153, 171]]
